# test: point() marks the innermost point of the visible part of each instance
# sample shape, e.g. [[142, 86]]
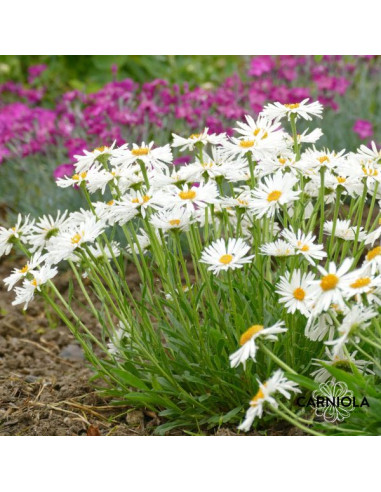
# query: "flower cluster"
[[281, 235]]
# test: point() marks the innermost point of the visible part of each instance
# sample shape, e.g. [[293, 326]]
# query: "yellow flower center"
[[34, 282], [245, 144], [370, 172], [187, 195], [111, 202], [299, 294], [340, 179], [274, 196], [323, 158], [282, 161], [174, 222], [226, 259], [207, 164], [329, 282], [360, 282], [76, 238], [242, 202], [257, 397], [373, 253], [102, 148], [194, 136], [292, 106], [77, 177], [24, 269], [245, 337], [139, 152]]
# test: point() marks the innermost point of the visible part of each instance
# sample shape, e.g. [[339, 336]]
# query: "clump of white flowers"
[[252, 232]]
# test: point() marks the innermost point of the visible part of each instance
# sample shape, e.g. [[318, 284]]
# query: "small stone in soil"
[[72, 352]]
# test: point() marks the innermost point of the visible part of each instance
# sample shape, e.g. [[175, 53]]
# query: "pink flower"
[[260, 65], [363, 128], [63, 170]]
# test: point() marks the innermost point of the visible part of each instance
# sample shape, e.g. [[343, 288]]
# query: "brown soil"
[[44, 379]]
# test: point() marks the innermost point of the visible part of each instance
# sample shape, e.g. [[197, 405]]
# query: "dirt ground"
[[44, 380]]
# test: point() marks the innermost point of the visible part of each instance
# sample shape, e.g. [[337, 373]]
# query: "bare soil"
[[44, 379]]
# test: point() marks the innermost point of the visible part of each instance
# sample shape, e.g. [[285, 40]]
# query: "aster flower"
[[360, 282], [278, 383], [222, 256], [26, 293], [19, 231], [62, 246], [356, 319], [84, 162], [303, 110], [304, 244], [191, 197], [318, 327], [373, 259], [372, 153], [340, 361], [178, 218], [27, 270], [153, 158], [329, 289], [343, 230], [217, 165], [293, 290], [75, 180], [372, 237], [277, 248], [44, 229], [272, 193], [203, 138], [247, 341]]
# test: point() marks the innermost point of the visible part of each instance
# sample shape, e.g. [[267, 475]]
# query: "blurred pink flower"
[[363, 128], [63, 170]]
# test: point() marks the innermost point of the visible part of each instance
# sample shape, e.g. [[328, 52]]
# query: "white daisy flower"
[[62, 246], [27, 270], [343, 230], [217, 165], [221, 256], [178, 218], [75, 180], [356, 319], [153, 158], [45, 228], [340, 361], [372, 237], [20, 232], [329, 289], [304, 244], [191, 197], [294, 291], [373, 259], [272, 193], [360, 282], [247, 341], [84, 162], [278, 383], [278, 248], [305, 137], [278, 111], [203, 138], [374, 153], [26, 293], [317, 328]]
